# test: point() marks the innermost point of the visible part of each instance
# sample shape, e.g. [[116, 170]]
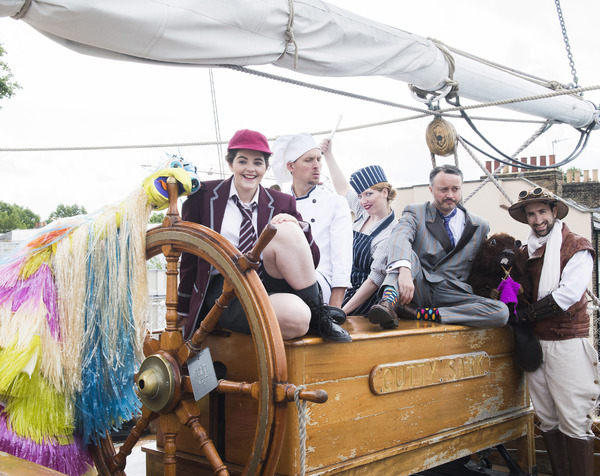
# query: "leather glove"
[[543, 309]]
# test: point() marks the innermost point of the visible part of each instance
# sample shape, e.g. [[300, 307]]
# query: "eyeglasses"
[[534, 193]]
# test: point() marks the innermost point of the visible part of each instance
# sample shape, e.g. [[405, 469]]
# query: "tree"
[[157, 217], [63, 211], [7, 87], [14, 217]]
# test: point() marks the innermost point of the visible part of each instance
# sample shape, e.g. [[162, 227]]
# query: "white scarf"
[[550, 275]]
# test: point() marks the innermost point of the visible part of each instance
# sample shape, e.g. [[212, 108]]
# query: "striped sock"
[[390, 294], [428, 314]]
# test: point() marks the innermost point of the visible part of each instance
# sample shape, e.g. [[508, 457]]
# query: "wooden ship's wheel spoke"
[[163, 384]]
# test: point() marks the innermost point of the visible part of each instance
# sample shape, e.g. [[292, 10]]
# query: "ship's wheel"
[[163, 383]]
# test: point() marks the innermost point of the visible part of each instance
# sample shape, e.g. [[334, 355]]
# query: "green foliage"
[[13, 217], [63, 211], [157, 217], [7, 87], [157, 262]]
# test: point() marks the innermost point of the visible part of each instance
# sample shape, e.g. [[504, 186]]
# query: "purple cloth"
[[72, 459], [509, 290]]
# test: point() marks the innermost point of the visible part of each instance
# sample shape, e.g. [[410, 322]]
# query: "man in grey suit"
[[431, 251]]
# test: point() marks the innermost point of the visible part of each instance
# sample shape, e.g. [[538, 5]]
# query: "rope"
[[289, 34], [594, 298], [221, 142], [21, 13], [520, 74], [486, 171], [521, 99], [323, 88], [526, 144], [301, 404], [402, 106], [213, 96], [450, 88]]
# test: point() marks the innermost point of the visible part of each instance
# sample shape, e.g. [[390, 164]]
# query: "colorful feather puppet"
[[73, 308]]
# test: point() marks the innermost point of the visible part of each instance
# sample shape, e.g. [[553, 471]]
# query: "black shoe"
[[321, 320], [406, 311], [324, 326], [383, 313], [337, 315]]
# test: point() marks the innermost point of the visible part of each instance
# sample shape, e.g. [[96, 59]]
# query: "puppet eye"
[[493, 242], [517, 244]]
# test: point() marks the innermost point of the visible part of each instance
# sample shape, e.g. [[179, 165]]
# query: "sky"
[[72, 100]]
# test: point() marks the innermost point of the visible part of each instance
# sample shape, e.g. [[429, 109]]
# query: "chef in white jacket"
[[297, 159]]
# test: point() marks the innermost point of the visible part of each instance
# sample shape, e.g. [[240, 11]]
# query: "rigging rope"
[[213, 96], [579, 148], [317, 87], [21, 13], [422, 113], [289, 34], [301, 405], [526, 144], [222, 142], [519, 74], [486, 171], [522, 99]]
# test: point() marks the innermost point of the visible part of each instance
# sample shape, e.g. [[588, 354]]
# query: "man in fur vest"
[[565, 388]]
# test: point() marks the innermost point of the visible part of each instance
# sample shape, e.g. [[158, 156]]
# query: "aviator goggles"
[[537, 192]]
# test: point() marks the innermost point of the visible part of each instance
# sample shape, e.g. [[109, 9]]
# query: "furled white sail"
[[330, 42]]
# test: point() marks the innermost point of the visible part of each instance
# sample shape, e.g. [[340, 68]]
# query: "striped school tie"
[[247, 231]]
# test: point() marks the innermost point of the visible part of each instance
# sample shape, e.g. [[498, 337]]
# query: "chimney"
[[524, 160], [488, 166], [551, 158], [543, 160], [533, 160]]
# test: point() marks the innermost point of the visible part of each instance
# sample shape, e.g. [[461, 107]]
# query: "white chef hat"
[[289, 148]]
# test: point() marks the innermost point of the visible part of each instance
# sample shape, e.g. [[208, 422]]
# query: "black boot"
[[322, 320], [581, 456], [556, 446], [337, 315]]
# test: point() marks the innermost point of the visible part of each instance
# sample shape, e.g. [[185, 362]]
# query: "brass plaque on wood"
[[400, 376]]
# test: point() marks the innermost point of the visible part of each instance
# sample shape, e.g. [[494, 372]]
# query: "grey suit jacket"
[[420, 234]]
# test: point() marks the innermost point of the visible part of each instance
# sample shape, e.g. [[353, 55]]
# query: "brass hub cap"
[[156, 383]]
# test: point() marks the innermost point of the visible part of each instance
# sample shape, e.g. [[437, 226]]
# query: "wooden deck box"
[[400, 401]]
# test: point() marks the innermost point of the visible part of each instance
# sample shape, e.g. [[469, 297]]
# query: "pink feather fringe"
[[38, 285], [73, 459]]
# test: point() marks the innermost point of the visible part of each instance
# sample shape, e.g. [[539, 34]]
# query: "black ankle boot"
[[337, 315], [322, 317]]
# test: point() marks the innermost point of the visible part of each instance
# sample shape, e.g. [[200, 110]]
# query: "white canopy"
[[331, 42]]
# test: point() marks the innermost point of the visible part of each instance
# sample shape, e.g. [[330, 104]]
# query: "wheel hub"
[[156, 383]]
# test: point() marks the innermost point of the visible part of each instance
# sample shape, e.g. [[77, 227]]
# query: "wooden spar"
[[484, 83], [325, 41]]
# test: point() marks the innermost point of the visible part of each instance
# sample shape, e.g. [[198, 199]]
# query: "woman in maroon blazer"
[[288, 261]]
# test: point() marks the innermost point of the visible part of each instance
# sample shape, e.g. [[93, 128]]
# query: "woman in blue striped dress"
[[369, 196]]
